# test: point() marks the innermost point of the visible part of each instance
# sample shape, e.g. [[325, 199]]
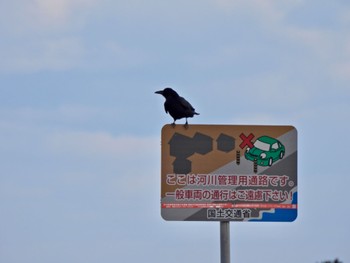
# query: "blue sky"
[[80, 123]]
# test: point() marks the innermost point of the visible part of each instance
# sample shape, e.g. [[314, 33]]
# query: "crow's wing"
[[185, 104]]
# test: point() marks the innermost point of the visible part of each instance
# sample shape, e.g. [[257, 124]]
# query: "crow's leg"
[[173, 124], [186, 124]]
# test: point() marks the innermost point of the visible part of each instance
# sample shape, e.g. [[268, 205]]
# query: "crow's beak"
[[159, 92]]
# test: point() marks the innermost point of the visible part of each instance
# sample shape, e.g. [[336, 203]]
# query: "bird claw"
[[173, 125], [186, 125]]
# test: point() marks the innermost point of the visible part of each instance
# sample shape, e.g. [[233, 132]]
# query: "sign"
[[229, 173]]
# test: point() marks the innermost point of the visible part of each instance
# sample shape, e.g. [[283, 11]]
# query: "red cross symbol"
[[246, 140]]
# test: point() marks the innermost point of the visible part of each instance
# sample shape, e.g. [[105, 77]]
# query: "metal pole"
[[225, 241]]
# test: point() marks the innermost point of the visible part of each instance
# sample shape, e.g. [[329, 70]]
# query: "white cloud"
[[107, 54], [341, 70], [36, 34], [65, 53], [53, 54], [267, 10], [329, 48], [54, 10], [318, 41], [341, 67], [101, 145], [60, 10], [40, 120], [43, 15]]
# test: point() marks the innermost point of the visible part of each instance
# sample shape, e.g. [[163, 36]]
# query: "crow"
[[177, 106]]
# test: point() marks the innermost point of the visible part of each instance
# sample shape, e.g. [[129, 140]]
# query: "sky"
[[80, 124]]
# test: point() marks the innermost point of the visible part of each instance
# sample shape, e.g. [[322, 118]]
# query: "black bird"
[[177, 106]]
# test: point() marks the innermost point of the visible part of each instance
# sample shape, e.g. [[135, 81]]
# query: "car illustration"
[[266, 151]]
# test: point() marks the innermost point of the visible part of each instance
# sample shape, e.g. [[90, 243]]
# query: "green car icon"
[[266, 151]]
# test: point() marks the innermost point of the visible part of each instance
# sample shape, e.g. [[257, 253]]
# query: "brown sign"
[[229, 173]]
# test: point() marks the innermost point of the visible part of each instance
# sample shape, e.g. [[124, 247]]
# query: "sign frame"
[[243, 173]]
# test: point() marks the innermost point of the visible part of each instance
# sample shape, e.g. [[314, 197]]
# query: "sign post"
[[242, 173], [225, 241]]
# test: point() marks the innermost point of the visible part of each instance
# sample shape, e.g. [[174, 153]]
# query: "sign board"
[[229, 173]]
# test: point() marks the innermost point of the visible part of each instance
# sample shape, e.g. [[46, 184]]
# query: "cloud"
[[63, 53], [60, 10], [112, 54], [40, 34], [43, 15], [267, 11], [327, 47], [341, 70], [59, 53], [129, 163], [101, 145], [36, 120]]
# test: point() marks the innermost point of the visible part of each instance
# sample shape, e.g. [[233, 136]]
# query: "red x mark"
[[246, 140]]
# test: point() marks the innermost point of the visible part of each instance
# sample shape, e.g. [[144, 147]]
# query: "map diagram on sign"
[[229, 172]]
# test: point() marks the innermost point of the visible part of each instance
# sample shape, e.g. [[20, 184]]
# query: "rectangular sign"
[[229, 173]]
